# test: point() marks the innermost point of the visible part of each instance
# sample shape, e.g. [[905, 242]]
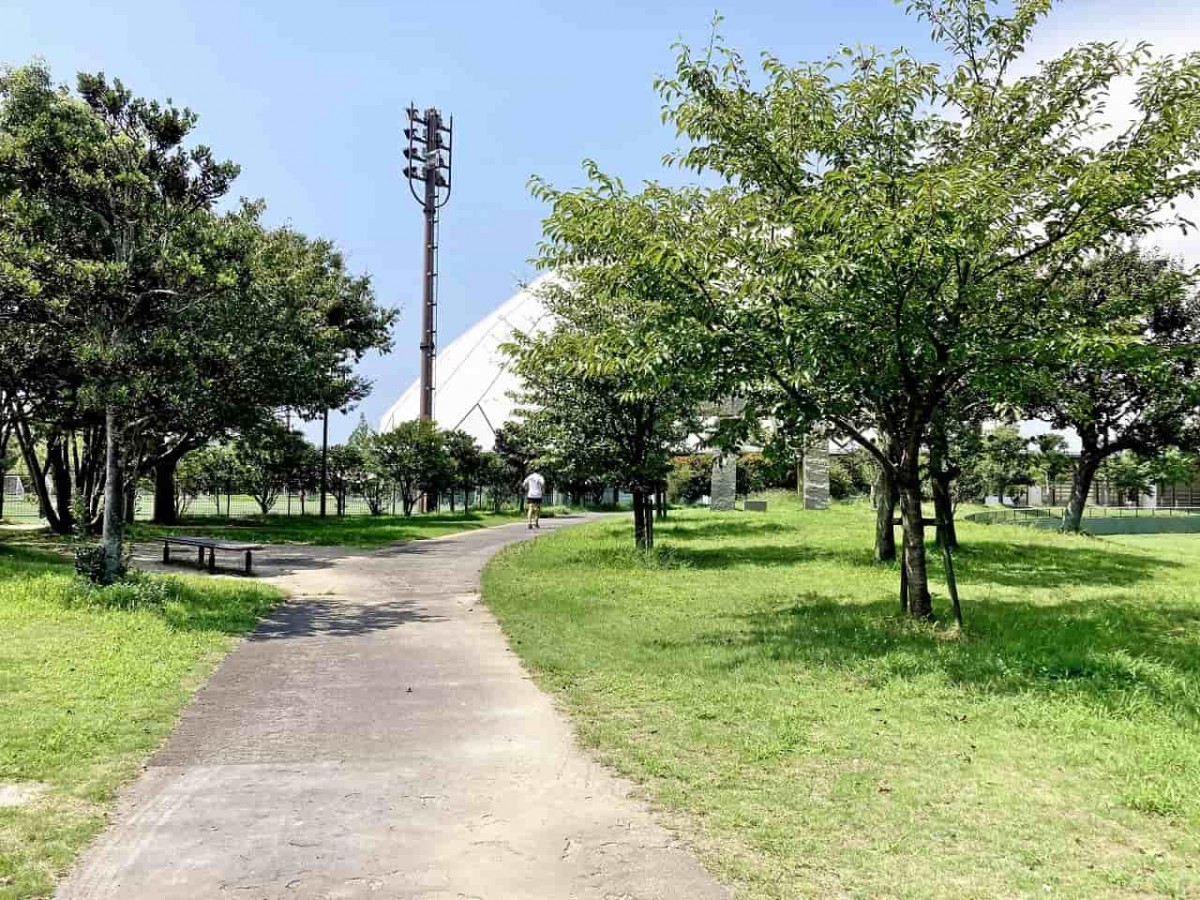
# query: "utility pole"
[[430, 152], [324, 459]]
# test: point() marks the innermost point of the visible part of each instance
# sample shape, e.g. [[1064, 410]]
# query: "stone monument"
[[724, 482], [816, 474]]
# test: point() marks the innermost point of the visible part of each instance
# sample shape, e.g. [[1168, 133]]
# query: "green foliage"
[[1124, 376], [893, 231], [753, 473], [135, 590], [690, 478], [123, 288], [851, 474], [609, 399], [1005, 461], [91, 564], [1133, 475], [412, 457], [465, 462], [210, 470], [267, 459], [1128, 475], [1174, 467]]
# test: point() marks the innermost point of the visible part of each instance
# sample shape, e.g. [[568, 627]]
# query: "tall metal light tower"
[[430, 152]]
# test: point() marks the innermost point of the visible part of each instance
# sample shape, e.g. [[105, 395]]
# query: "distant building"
[[473, 379]]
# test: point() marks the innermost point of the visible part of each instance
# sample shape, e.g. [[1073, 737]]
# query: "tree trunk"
[[885, 513], [643, 523], [920, 604], [37, 477], [60, 473], [165, 511], [4, 434], [129, 503], [943, 511], [113, 528], [942, 479], [1081, 486]]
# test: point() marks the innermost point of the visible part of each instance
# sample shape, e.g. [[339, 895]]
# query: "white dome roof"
[[472, 379]]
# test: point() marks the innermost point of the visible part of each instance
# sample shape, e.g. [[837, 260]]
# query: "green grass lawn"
[[88, 689], [754, 676]]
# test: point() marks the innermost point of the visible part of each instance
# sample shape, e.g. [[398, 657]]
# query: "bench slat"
[[210, 544]]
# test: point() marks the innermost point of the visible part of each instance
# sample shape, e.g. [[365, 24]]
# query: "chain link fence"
[[23, 506]]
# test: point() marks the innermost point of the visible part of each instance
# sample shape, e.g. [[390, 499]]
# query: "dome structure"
[[472, 376]]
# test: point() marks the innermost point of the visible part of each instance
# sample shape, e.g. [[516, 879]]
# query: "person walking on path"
[[535, 486]]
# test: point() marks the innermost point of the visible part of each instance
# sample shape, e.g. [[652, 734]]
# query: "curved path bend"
[[376, 738]]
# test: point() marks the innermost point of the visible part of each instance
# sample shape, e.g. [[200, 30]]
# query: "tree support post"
[[951, 580]]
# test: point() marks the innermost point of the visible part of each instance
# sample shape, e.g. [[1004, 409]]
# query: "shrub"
[[851, 474], [690, 478], [91, 564], [135, 590]]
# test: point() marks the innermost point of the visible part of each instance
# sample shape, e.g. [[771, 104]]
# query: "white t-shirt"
[[534, 485]]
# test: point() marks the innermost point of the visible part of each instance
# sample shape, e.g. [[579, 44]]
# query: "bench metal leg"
[[166, 553], [247, 562], [200, 557], [212, 559]]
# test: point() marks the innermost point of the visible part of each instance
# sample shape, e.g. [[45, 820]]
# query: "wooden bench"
[[212, 546]]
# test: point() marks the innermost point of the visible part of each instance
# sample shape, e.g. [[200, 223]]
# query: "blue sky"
[[310, 100]]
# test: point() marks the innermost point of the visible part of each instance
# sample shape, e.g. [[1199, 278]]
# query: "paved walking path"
[[376, 738]]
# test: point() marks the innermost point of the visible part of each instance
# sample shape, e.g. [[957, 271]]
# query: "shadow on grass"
[[723, 528], [349, 531], [981, 561], [1118, 653], [27, 556]]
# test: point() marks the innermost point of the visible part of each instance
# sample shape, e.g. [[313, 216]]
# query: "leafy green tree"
[[413, 458], [267, 459], [496, 476], [895, 227], [1173, 467], [466, 461], [210, 470], [1125, 376], [1005, 461], [1052, 462], [607, 394], [122, 284], [1128, 476], [106, 179], [347, 469], [851, 474], [365, 475], [690, 478], [514, 455], [282, 324]]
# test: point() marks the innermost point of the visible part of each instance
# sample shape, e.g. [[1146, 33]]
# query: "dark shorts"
[[534, 501]]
